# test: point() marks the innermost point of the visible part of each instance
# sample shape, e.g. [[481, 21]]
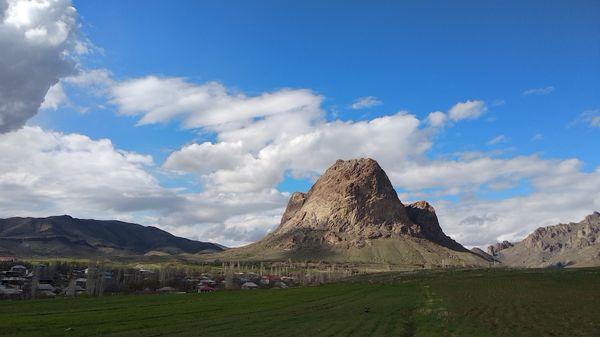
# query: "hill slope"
[[572, 244], [353, 214], [67, 236]]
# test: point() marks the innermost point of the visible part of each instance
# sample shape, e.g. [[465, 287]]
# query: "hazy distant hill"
[[563, 245], [67, 236], [353, 214]]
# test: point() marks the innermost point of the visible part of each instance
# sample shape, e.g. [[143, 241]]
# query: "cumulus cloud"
[[49, 173], [231, 219], [366, 102], [208, 105], [557, 197], [470, 109], [436, 118], [555, 191], [45, 173], [302, 155], [538, 91], [37, 39]]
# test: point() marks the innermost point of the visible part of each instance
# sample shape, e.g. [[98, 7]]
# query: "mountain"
[[67, 236], [572, 244], [483, 254], [352, 214], [494, 249]]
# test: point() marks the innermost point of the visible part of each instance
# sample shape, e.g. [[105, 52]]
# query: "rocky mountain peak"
[[351, 203], [352, 199]]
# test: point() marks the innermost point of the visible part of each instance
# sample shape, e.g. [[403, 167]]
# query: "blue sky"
[[420, 57], [532, 66]]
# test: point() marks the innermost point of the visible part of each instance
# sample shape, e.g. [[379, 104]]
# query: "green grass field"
[[460, 303]]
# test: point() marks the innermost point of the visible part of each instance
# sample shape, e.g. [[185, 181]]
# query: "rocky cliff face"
[[353, 214], [352, 202], [572, 244], [423, 214]]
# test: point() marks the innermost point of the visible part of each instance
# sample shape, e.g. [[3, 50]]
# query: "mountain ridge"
[[67, 236], [574, 244]]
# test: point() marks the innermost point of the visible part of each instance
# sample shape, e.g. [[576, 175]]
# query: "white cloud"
[[231, 219], [208, 105], [538, 91], [470, 109], [559, 196], [44, 173], [538, 136], [302, 155], [55, 97], [98, 80], [366, 102], [498, 139], [37, 39], [589, 117], [437, 118]]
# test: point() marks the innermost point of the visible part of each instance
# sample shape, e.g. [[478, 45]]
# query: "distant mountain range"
[[576, 244], [69, 237]]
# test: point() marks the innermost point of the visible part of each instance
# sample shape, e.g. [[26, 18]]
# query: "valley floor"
[[498, 302]]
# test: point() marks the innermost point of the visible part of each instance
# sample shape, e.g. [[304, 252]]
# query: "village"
[[25, 280]]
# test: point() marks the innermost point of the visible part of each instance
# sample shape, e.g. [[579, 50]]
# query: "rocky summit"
[[352, 202], [352, 212]]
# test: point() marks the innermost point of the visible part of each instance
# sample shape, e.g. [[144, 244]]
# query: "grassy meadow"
[[559, 302]]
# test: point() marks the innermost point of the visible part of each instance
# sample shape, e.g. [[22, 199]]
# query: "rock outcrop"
[[352, 212], [423, 214], [494, 249], [352, 202], [572, 244]]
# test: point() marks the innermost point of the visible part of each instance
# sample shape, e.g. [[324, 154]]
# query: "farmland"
[[550, 302]]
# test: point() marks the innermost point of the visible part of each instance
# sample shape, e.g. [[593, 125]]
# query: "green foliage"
[[448, 303]]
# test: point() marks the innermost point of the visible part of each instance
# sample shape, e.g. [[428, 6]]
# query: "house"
[[205, 289], [166, 290], [287, 279], [17, 271], [13, 281], [8, 259], [208, 282], [249, 285]]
